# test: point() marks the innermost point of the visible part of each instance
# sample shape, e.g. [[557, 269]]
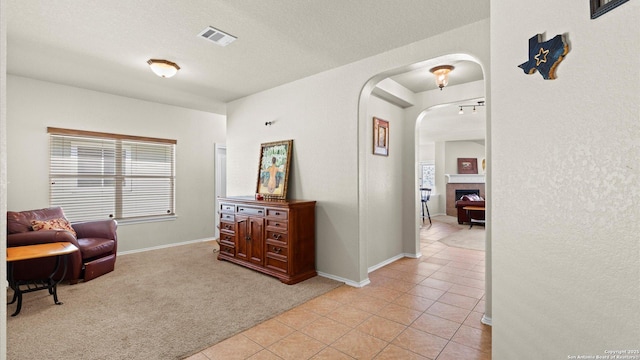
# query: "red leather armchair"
[[469, 200], [97, 241]]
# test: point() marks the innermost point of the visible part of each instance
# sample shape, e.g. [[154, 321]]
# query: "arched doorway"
[[413, 114]]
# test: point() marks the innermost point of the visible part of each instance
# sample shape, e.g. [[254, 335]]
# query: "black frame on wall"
[[600, 7]]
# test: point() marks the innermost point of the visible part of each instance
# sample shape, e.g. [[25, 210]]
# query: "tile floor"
[[427, 308]]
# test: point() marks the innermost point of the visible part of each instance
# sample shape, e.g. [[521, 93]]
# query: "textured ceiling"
[[104, 45]]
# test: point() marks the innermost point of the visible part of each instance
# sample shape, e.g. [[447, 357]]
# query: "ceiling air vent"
[[216, 36]]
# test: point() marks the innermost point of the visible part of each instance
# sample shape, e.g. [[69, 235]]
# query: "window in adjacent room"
[[428, 176], [98, 175]]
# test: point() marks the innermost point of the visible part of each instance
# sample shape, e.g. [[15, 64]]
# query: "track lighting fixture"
[[474, 111]]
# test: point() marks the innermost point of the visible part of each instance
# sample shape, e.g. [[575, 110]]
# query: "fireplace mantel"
[[465, 178]]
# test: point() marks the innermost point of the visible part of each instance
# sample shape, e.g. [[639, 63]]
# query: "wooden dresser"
[[276, 237]]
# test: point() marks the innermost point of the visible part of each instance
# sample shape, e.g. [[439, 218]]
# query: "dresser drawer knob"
[[277, 236], [277, 250]]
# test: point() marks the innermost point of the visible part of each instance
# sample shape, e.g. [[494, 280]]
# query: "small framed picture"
[[467, 166], [380, 137], [273, 171], [600, 7]]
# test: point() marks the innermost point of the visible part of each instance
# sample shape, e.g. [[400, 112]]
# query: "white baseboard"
[[486, 320], [163, 246], [393, 259], [346, 281]]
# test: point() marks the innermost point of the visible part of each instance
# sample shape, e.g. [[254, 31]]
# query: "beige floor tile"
[[437, 284], [326, 330], [381, 328], [381, 293], [349, 316], [414, 302], [475, 338], [297, 318], [236, 347], [426, 292], [268, 332], [475, 320], [368, 303], [265, 355], [455, 351], [343, 294], [330, 353], [436, 326], [359, 345], [296, 346], [480, 307], [461, 301], [467, 291], [399, 314], [393, 352], [420, 342], [448, 312], [321, 305]]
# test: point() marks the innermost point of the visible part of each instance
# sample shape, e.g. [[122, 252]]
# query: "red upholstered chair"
[[97, 241]]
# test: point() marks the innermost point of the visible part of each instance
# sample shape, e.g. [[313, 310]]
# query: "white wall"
[[3, 177], [566, 251], [384, 180], [328, 119], [34, 105], [462, 149]]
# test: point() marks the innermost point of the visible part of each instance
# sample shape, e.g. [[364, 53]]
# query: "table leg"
[[51, 284]]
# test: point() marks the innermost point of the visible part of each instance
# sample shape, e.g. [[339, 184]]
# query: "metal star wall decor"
[[545, 56]]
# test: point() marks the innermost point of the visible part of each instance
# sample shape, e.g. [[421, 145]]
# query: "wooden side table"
[[469, 209], [57, 249]]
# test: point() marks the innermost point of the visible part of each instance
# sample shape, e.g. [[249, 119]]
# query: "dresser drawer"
[[229, 227], [279, 250], [277, 225], [276, 264], [248, 210], [277, 236], [227, 208], [277, 214], [228, 239], [228, 250], [227, 217]]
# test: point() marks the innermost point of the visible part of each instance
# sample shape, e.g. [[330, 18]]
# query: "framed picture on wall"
[[467, 166], [273, 170], [600, 7], [380, 137]]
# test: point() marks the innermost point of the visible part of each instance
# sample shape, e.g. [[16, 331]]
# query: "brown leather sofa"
[[97, 241], [469, 200]]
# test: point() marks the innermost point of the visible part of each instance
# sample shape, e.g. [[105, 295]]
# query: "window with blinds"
[[96, 176]]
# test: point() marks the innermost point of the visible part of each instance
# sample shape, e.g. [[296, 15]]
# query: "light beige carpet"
[[464, 237], [160, 304]]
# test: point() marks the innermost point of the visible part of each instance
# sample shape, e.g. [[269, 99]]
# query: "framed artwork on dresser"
[[273, 169]]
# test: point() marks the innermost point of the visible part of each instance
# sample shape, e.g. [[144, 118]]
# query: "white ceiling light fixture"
[[442, 74], [163, 68]]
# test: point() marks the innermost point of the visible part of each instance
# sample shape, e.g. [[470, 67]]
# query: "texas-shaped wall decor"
[[545, 56]]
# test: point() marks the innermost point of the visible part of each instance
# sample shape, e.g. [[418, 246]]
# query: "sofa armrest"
[[104, 229], [462, 203], [40, 237]]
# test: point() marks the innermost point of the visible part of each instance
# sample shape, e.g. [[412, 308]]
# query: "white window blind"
[[97, 176]]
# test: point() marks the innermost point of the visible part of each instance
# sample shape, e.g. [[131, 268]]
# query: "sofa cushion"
[[52, 224]]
